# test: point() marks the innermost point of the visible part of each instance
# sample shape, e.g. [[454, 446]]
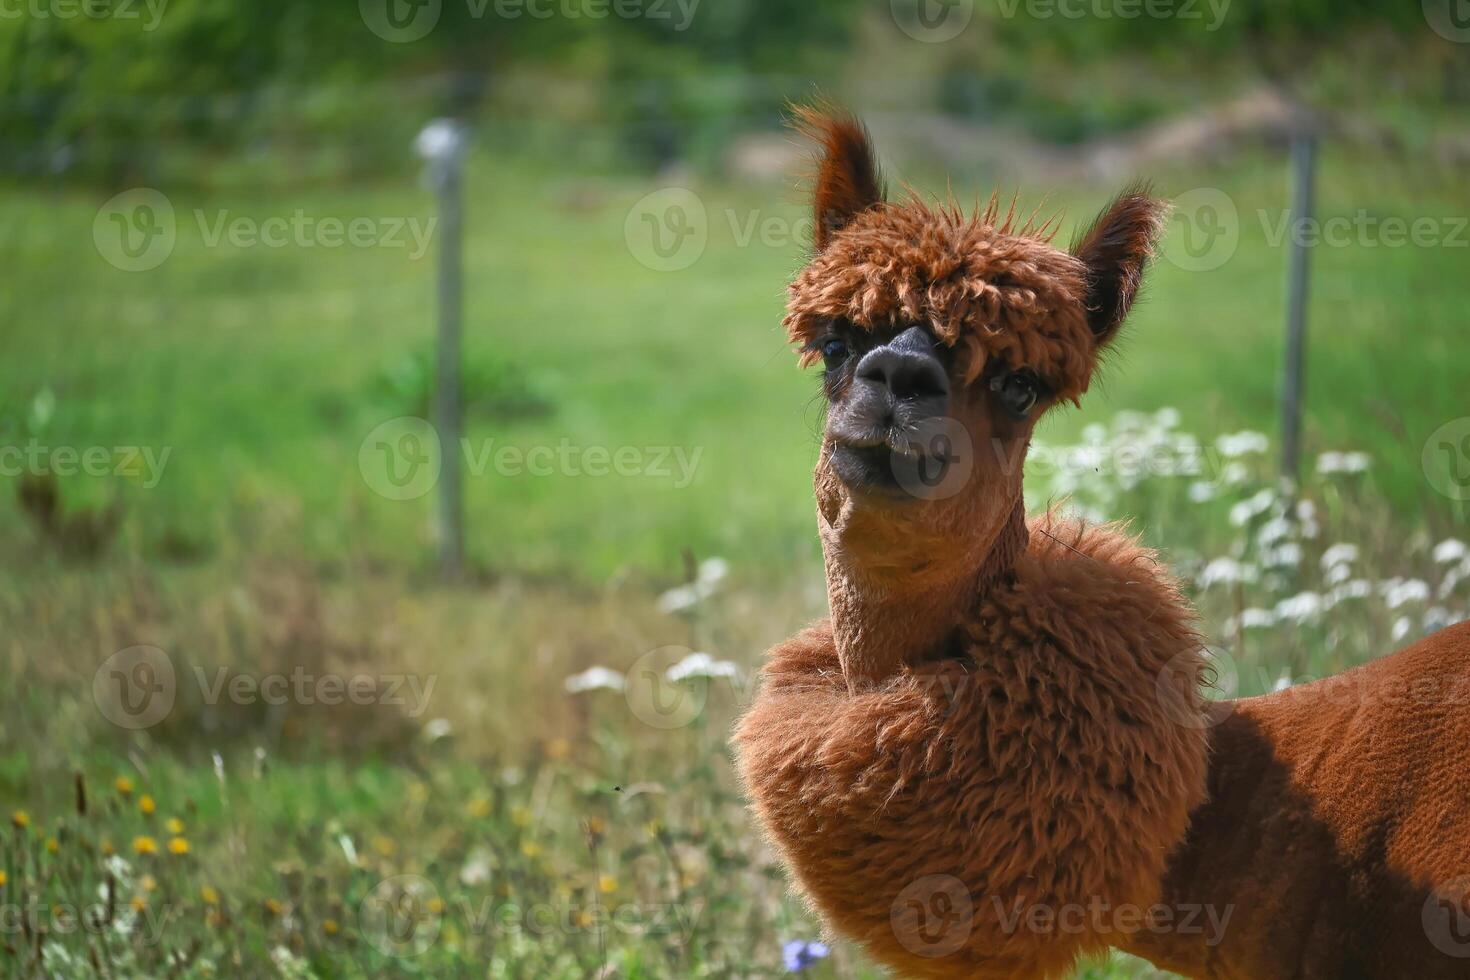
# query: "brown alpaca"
[[994, 757]]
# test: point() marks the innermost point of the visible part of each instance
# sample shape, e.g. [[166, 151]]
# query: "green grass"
[[262, 369], [264, 548]]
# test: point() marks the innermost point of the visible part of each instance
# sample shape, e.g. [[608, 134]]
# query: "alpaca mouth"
[[894, 468]]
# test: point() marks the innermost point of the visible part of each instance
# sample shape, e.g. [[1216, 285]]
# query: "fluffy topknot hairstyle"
[[989, 284]]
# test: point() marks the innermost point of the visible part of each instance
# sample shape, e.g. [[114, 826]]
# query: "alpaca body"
[[1337, 829], [932, 815], [994, 757]]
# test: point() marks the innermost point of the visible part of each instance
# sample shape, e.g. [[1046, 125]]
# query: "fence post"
[[441, 143], [1303, 165]]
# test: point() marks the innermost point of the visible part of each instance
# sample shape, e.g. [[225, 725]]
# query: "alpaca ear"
[[847, 179], [1115, 250]]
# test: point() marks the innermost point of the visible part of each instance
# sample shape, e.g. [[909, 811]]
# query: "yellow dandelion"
[[273, 907], [558, 748], [418, 792], [478, 808], [123, 785], [146, 804], [107, 848], [596, 827], [435, 905], [520, 816], [149, 883], [145, 845], [139, 903], [20, 819], [607, 884], [530, 849], [209, 895], [583, 918], [177, 845], [175, 826], [3, 879], [330, 927], [53, 846]]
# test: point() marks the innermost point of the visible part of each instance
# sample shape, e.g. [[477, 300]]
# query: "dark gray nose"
[[906, 367]]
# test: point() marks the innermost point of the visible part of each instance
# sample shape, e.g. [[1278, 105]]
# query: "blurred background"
[[312, 671]]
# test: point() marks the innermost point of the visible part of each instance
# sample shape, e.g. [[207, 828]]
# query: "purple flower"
[[798, 954]]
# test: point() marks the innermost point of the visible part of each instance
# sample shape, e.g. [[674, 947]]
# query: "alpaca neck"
[[897, 596]]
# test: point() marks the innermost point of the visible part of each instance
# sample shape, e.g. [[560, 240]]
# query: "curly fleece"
[[986, 286], [1071, 791]]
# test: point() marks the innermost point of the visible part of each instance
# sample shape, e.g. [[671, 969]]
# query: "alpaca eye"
[[1018, 391], [834, 351]]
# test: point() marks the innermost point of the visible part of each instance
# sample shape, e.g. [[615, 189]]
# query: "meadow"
[[475, 811]]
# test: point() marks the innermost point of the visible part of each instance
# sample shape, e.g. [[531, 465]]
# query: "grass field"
[[261, 545]]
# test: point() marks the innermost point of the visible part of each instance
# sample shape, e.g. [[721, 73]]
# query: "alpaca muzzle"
[[882, 430]]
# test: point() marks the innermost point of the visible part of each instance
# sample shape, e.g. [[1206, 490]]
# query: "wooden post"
[[1303, 161], [442, 144]]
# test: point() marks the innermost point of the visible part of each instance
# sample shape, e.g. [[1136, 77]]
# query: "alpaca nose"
[[906, 367]]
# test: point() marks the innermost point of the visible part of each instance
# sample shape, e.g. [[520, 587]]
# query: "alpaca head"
[[943, 338]]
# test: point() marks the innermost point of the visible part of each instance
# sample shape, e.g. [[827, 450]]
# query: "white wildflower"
[[1200, 491], [1167, 417], [1235, 473], [701, 664], [1339, 554], [1453, 577], [477, 867], [1450, 549], [1397, 591], [710, 573], [1227, 571], [1337, 574], [1282, 556], [1437, 618], [1259, 503], [1302, 607], [1274, 530], [1401, 628], [438, 728], [1356, 589], [1352, 462], [1256, 618], [595, 679], [1234, 444], [1282, 682], [679, 598]]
